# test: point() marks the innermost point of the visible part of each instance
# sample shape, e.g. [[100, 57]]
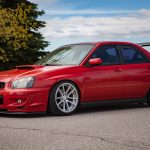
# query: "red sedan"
[[76, 75]]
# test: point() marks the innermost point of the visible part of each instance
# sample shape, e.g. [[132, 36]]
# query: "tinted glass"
[[108, 54], [67, 55], [132, 55]]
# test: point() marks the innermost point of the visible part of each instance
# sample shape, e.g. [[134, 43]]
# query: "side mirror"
[[95, 61]]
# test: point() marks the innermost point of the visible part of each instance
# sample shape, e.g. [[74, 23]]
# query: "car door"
[[105, 81], [136, 68]]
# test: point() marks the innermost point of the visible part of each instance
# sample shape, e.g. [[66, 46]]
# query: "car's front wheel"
[[64, 98]]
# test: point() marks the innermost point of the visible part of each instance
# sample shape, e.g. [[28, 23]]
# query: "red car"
[[78, 75]]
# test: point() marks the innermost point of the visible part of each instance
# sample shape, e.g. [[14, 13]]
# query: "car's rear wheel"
[[64, 98], [148, 98]]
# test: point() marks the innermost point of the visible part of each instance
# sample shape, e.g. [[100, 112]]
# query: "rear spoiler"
[[144, 44]]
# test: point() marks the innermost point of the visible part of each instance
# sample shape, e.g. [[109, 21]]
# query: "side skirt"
[[113, 102]]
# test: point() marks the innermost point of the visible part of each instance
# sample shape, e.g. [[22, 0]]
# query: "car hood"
[[26, 70]]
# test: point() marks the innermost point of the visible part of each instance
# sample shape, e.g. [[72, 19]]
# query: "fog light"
[[19, 101]]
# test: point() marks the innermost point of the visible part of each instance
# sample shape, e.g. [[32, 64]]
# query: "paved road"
[[110, 128]]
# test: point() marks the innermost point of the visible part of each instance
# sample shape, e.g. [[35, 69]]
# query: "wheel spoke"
[[68, 89], [63, 88], [68, 108], [60, 92], [73, 103], [71, 92], [59, 97], [60, 102], [71, 98], [64, 106]]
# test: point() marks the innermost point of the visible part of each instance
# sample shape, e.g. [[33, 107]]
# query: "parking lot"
[[112, 128]]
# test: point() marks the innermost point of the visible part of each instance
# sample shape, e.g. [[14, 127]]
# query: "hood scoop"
[[28, 67]]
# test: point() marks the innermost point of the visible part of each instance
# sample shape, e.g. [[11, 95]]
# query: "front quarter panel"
[[49, 78]]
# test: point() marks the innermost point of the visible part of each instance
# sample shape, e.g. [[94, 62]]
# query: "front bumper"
[[24, 100]]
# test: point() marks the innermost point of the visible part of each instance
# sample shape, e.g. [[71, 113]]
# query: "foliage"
[[20, 41]]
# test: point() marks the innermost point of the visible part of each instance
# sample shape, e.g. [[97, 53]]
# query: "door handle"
[[118, 70]]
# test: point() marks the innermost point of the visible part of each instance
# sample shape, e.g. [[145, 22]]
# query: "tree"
[[20, 40]]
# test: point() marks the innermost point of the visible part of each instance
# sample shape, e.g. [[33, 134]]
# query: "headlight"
[[23, 83]]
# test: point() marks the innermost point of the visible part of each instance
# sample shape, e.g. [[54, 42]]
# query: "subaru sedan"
[[77, 75]]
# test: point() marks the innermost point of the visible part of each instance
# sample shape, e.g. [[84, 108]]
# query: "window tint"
[[108, 54], [132, 55]]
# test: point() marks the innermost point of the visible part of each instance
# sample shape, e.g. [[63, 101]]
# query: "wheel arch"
[[69, 80]]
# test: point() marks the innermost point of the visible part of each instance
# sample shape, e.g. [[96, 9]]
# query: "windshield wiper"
[[52, 65]]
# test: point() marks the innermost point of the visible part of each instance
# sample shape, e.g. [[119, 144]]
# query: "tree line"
[[20, 39]]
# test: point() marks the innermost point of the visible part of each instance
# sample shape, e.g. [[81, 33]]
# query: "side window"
[[131, 55], [108, 54]]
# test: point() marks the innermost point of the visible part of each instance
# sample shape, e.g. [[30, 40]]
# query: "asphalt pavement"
[[96, 128]]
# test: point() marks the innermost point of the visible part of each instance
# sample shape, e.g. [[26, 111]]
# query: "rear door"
[[136, 68]]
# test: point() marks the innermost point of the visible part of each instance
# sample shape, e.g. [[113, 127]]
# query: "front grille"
[[1, 99], [2, 85]]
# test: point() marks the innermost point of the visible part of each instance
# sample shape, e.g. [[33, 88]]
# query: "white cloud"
[[86, 12], [110, 27], [41, 1], [145, 12]]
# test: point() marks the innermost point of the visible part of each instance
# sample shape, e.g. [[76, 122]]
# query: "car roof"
[[102, 42]]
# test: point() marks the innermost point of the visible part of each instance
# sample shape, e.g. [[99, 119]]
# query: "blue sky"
[[72, 21]]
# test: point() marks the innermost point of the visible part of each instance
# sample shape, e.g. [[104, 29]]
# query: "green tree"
[[20, 39]]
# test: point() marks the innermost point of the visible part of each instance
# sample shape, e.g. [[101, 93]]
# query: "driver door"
[[105, 81]]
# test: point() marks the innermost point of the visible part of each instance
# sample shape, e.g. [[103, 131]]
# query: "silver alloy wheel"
[[66, 97]]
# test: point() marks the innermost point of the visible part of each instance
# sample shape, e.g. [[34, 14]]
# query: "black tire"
[[140, 103], [65, 107], [148, 98]]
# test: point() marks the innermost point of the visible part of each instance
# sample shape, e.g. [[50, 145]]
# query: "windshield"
[[67, 55]]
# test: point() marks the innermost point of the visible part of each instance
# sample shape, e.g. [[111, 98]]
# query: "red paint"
[[119, 81], [95, 61]]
